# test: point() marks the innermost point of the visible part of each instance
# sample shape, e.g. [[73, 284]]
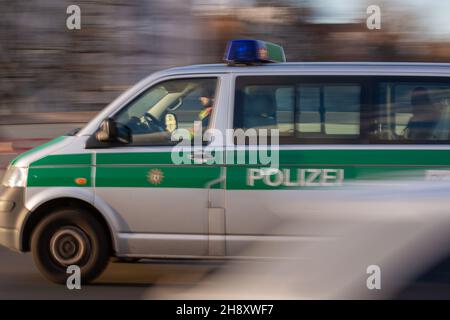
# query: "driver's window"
[[169, 105]]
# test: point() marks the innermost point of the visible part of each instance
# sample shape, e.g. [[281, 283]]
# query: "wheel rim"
[[69, 245]]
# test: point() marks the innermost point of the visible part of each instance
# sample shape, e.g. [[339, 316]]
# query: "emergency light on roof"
[[253, 51]]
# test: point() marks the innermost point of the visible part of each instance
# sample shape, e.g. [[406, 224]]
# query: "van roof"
[[325, 68]]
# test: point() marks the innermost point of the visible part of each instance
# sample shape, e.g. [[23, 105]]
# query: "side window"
[[413, 111], [303, 109], [169, 105], [267, 107], [329, 111]]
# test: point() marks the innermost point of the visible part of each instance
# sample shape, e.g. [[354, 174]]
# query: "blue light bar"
[[253, 51]]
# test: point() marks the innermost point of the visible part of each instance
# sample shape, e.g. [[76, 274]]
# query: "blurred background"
[[53, 79]]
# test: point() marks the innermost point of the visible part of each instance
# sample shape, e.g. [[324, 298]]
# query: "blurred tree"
[[46, 67]]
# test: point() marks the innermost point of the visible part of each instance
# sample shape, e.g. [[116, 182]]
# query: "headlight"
[[15, 177]]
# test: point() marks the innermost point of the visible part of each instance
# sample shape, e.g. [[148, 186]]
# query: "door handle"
[[200, 156]]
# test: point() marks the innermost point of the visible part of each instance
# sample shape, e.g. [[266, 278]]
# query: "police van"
[[114, 189]]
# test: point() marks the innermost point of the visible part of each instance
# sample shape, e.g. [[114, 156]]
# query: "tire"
[[70, 237]]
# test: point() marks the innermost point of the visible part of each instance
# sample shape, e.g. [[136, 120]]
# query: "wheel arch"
[[47, 208]]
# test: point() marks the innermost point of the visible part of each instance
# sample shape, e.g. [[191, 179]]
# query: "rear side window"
[[267, 107], [328, 110], [413, 112], [302, 109]]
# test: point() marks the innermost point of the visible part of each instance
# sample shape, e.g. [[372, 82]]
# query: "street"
[[19, 279]]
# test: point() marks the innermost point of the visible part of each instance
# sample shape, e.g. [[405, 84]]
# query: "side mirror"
[[111, 131], [171, 122]]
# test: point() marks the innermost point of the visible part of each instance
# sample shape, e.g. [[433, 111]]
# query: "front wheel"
[[70, 237]]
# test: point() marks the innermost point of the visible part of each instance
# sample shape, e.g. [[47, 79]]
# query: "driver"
[[425, 117], [207, 101]]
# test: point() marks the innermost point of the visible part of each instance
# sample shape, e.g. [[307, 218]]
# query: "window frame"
[[377, 82], [296, 80], [93, 143]]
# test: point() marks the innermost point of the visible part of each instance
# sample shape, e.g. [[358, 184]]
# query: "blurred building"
[[47, 68]]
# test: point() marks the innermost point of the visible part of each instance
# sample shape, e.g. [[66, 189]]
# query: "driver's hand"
[[143, 120]]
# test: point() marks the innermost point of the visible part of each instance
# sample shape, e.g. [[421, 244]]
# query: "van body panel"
[[156, 208]]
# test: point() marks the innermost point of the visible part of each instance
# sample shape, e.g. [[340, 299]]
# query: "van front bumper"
[[12, 214]]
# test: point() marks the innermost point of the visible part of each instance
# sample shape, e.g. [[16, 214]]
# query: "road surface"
[[19, 279]]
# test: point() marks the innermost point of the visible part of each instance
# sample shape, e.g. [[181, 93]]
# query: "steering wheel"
[[153, 122], [145, 124]]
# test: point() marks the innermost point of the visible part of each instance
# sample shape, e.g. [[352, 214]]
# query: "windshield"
[[169, 105]]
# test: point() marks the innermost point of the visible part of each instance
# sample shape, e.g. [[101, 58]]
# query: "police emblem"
[[155, 176]]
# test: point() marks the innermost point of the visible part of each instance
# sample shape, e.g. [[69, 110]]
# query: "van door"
[[311, 116], [161, 201]]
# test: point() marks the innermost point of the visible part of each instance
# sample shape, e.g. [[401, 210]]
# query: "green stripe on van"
[[58, 177], [132, 169]]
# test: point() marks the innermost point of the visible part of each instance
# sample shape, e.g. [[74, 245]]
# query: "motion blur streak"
[[53, 79], [48, 68], [404, 231]]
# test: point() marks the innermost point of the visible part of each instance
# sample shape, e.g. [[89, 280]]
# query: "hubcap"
[[69, 245]]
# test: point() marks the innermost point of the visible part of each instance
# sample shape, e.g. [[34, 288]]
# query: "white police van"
[[114, 189]]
